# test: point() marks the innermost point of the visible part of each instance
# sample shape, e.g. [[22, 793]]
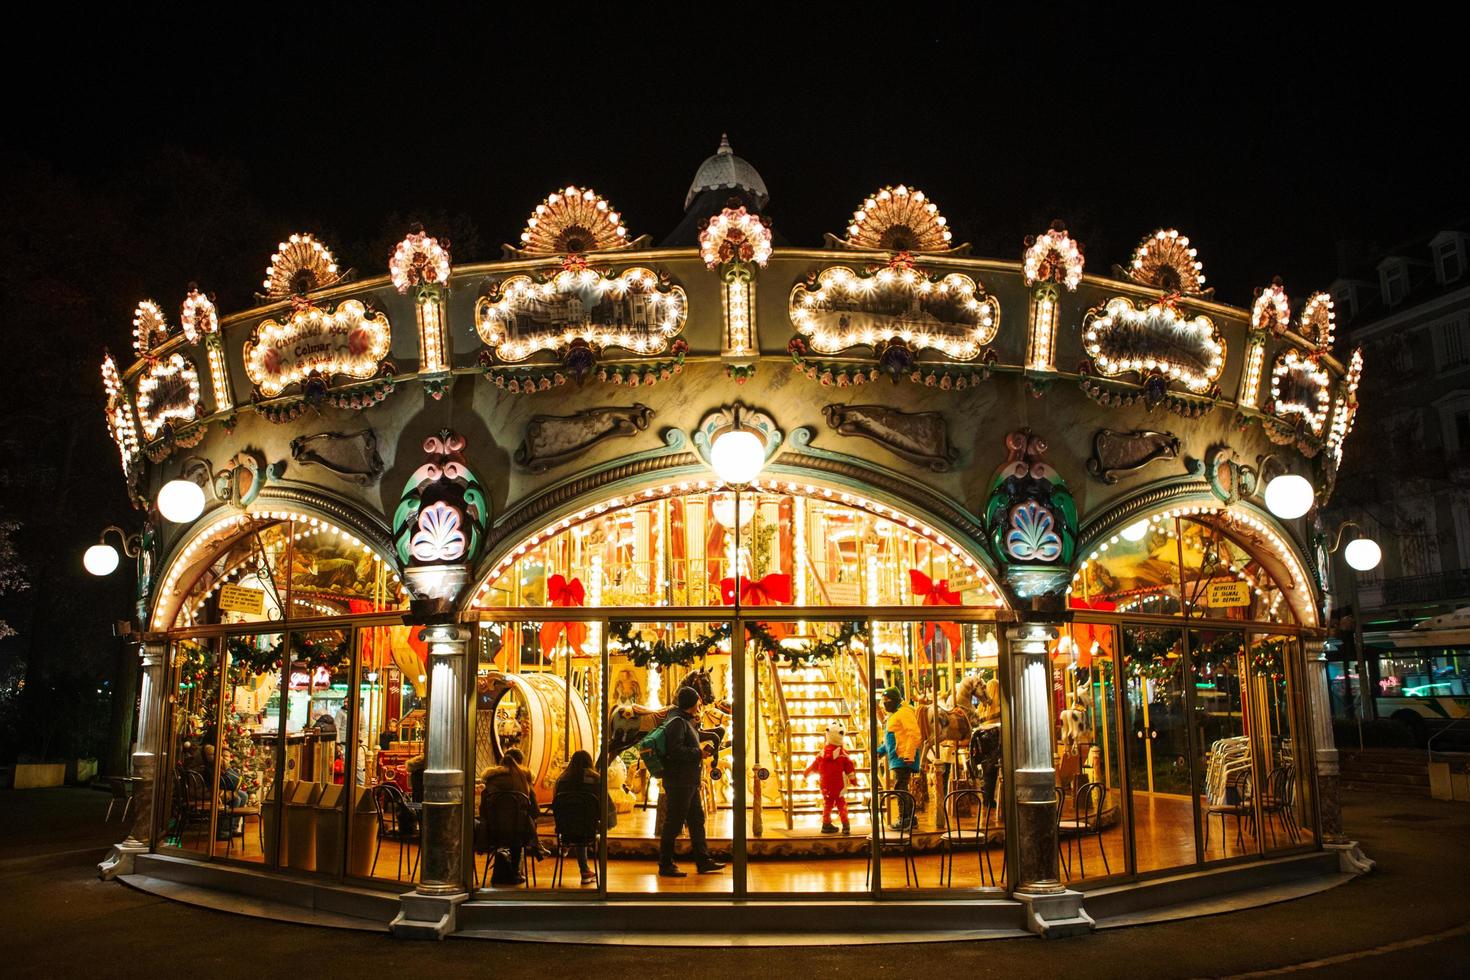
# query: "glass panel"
[[193, 747], [699, 784], [388, 786], [807, 756], [1159, 782], [1285, 798], [1225, 776], [1213, 560], [251, 737], [1088, 767], [1136, 570], [797, 545]]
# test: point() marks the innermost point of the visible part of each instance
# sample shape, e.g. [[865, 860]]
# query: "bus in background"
[[1421, 676]]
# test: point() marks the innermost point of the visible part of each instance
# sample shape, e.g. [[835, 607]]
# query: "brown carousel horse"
[[957, 717], [628, 723]]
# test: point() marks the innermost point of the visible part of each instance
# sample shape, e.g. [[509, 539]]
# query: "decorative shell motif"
[[300, 264], [573, 219], [1271, 310], [150, 329], [419, 261], [1318, 321], [1032, 535], [897, 219], [1053, 256], [1166, 261], [199, 316], [735, 235], [439, 537]]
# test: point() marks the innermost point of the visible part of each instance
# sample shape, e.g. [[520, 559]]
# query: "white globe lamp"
[[1135, 532], [181, 501], [1289, 496], [100, 559], [736, 456], [1363, 554]]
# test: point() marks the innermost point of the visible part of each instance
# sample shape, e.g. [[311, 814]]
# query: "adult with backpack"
[[674, 748]]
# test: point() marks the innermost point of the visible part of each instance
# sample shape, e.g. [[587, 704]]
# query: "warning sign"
[[1223, 594], [238, 598]]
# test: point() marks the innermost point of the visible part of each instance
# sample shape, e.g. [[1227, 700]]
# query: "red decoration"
[[936, 594], [561, 591], [1084, 635], [766, 591]]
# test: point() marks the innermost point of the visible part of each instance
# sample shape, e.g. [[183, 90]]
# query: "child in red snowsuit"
[[835, 768]]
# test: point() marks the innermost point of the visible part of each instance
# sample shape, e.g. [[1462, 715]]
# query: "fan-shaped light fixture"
[[1363, 554], [181, 501], [1289, 496], [100, 559]]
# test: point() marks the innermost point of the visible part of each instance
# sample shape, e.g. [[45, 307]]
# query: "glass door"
[[1225, 773], [1284, 802], [1160, 786]]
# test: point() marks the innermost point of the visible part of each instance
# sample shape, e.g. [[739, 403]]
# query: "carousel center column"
[[439, 528], [119, 860], [1329, 803], [1052, 910]]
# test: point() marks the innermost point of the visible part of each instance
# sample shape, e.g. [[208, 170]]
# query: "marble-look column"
[[1052, 910], [119, 860], [1329, 803]]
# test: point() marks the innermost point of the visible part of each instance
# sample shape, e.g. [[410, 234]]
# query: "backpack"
[[653, 749]]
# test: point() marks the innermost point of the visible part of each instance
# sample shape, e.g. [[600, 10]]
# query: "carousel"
[[866, 580]]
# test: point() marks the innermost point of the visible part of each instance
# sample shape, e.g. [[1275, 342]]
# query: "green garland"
[[1147, 655], [315, 653], [685, 652], [1268, 659]]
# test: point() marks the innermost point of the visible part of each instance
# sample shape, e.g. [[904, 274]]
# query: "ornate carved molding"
[[353, 456], [551, 440], [1115, 452], [919, 437]]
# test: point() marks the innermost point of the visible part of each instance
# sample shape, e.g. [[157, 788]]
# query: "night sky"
[[143, 152]]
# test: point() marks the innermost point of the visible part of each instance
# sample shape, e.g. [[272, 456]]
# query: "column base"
[[119, 860], [1056, 916], [425, 916], [1350, 857]]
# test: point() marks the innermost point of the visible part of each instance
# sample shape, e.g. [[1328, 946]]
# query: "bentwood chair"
[[578, 816], [123, 789], [967, 825], [396, 823], [1237, 802], [1277, 804], [898, 838], [507, 822], [1087, 811], [1063, 864]]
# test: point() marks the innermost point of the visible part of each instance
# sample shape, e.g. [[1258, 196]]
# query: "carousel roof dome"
[[726, 171]]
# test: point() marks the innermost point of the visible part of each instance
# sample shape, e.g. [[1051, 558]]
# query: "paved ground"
[[1412, 919]]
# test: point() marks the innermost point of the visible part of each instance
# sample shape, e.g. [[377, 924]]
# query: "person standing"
[[682, 761], [901, 744]]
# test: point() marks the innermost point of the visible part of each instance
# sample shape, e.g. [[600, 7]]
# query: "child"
[[836, 769]]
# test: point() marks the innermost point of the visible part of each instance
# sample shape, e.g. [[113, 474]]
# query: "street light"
[[181, 501], [1362, 554], [102, 558], [1289, 496]]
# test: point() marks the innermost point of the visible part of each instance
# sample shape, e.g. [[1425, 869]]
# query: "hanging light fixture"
[[1289, 496], [1362, 553], [181, 501], [737, 454], [102, 558]]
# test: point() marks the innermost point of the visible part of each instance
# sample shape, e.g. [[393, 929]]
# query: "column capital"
[[1033, 639]]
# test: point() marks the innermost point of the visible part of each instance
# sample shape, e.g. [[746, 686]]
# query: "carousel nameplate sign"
[[919, 437], [555, 439], [349, 340], [1157, 340], [168, 390], [1300, 390], [240, 599], [1223, 595], [839, 308], [637, 310]]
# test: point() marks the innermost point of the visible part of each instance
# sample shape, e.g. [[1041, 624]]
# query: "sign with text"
[[1225, 594], [349, 340], [238, 598]]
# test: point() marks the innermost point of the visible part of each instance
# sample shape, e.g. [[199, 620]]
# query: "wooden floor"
[[1163, 830]]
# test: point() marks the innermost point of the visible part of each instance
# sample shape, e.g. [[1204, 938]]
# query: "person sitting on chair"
[[580, 777], [510, 775], [901, 744]]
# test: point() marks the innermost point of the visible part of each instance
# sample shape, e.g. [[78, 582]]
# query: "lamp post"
[[1362, 554], [737, 455]]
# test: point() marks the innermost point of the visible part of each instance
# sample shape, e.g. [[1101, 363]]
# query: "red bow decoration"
[[766, 591], [936, 594], [563, 592]]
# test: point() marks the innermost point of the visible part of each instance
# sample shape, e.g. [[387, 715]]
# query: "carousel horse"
[[628, 723], [957, 719], [1074, 720]]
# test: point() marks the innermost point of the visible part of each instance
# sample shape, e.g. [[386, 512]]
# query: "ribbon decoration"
[[767, 591], [936, 594], [564, 592], [1084, 635]]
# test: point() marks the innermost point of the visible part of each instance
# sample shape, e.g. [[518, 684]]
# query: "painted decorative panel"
[[350, 340], [1157, 339]]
